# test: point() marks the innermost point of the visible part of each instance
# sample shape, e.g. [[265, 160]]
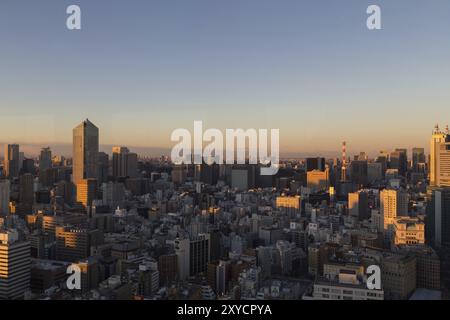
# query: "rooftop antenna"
[[436, 128]]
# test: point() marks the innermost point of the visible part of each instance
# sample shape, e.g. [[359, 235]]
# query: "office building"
[[399, 161], [438, 217], [125, 164], [289, 204], [440, 158], [85, 152], [318, 180], [418, 156], [15, 266], [45, 159], [86, 191], [193, 255], [358, 205], [26, 191], [103, 167], [398, 276], [315, 164], [359, 172], [11, 162], [4, 197], [72, 243], [393, 204]]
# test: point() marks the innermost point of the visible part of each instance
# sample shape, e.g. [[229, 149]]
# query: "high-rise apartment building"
[[11, 163], [85, 151], [15, 265]]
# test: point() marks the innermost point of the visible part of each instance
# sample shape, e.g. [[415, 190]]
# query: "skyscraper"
[[86, 191], [438, 217], [11, 160], [418, 156], [315, 164], [119, 155], [26, 191], [358, 172], [124, 163], [103, 167], [440, 158], [85, 151], [399, 160], [4, 197], [45, 159]]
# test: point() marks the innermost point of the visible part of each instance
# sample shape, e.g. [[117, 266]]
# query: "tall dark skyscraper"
[[45, 159], [438, 217], [103, 167], [85, 151], [11, 160], [418, 156], [358, 172], [399, 160], [315, 164]]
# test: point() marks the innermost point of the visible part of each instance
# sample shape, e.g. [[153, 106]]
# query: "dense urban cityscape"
[[140, 228]]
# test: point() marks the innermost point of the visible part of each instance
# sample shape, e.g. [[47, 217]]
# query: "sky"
[[139, 69]]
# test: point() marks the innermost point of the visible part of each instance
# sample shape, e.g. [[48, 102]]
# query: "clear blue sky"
[[140, 68]]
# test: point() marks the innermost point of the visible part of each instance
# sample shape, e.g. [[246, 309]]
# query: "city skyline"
[[250, 65], [66, 149]]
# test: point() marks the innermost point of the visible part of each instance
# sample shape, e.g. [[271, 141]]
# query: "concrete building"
[[72, 244], [398, 276], [408, 231]]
